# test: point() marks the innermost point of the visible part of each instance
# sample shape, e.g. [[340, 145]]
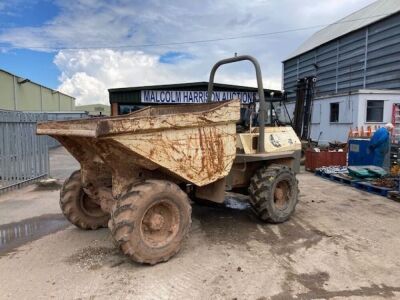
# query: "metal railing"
[[263, 105], [24, 156]]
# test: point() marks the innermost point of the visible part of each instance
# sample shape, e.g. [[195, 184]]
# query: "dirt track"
[[341, 243]]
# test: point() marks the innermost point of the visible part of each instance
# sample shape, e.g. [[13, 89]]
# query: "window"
[[334, 117], [374, 111]]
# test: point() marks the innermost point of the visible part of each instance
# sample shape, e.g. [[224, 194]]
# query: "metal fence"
[[24, 156]]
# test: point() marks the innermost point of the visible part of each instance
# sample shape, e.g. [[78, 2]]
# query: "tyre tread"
[[261, 184], [128, 202]]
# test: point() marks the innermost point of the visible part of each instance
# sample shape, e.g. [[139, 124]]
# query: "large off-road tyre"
[[274, 193], [150, 221], [77, 206]]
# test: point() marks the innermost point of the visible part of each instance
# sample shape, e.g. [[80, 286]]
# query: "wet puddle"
[[17, 234]]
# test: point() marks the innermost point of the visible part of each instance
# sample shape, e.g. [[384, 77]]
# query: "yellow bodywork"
[[277, 139], [196, 143], [199, 155]]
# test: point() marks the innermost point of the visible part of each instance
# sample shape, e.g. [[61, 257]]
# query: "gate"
[[24, 156]]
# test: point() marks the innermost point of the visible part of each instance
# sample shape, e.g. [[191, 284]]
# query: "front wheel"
[[150, 221], [274, 193], [78, 207]]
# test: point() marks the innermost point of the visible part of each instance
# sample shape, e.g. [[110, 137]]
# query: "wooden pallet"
[[359, 184], [368, 187], [323, 174], [341, 179], [337, 177]]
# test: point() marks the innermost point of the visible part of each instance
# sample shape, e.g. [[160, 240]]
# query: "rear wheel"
[[273, 193], [78, 207], [150, 221]]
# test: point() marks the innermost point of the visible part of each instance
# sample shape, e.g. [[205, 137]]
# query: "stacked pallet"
[[369, 184]]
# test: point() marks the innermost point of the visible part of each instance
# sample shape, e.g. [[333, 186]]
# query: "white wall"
[[389, 100], [322, 128], [320, 123], [352, 113]]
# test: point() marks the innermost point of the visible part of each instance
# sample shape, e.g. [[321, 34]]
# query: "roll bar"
[[263, 106]]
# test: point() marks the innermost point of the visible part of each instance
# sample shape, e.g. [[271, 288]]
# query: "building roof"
[[372, 13], [35, 83]]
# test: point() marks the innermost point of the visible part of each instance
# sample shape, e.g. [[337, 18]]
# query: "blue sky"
[[84, 47], [172, 57], [27, 13], [38, 66]]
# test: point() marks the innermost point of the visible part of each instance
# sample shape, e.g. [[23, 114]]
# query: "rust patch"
[[162, 138], [103, 127], [212, 146]]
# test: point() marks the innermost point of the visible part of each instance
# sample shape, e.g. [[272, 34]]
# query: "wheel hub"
[[160, 223], [156, 222], [281, 195], [89, 207]]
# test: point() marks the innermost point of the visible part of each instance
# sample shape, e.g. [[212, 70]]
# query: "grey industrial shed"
[[360, 51]]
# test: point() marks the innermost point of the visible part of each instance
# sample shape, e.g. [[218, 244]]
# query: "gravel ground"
[[341, 243]]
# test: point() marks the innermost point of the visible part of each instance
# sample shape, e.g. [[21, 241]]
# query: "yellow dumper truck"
[[136, 169]]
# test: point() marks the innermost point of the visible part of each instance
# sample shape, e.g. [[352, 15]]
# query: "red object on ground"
[[324, 158]]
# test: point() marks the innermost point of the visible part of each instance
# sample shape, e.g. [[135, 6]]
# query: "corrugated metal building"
[[360, 51], [17, 93], [356, 62]]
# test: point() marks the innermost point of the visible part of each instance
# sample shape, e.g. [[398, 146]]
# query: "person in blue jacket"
[[380, 145]]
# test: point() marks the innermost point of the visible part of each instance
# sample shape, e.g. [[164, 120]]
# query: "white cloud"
[[87, 74]]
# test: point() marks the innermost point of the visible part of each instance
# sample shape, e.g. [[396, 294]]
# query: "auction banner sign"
[[166, 96]]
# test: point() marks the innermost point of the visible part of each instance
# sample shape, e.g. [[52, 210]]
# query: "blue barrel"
[[359, 154]]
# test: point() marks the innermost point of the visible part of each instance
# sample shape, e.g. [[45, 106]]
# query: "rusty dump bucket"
[[195, 143]]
